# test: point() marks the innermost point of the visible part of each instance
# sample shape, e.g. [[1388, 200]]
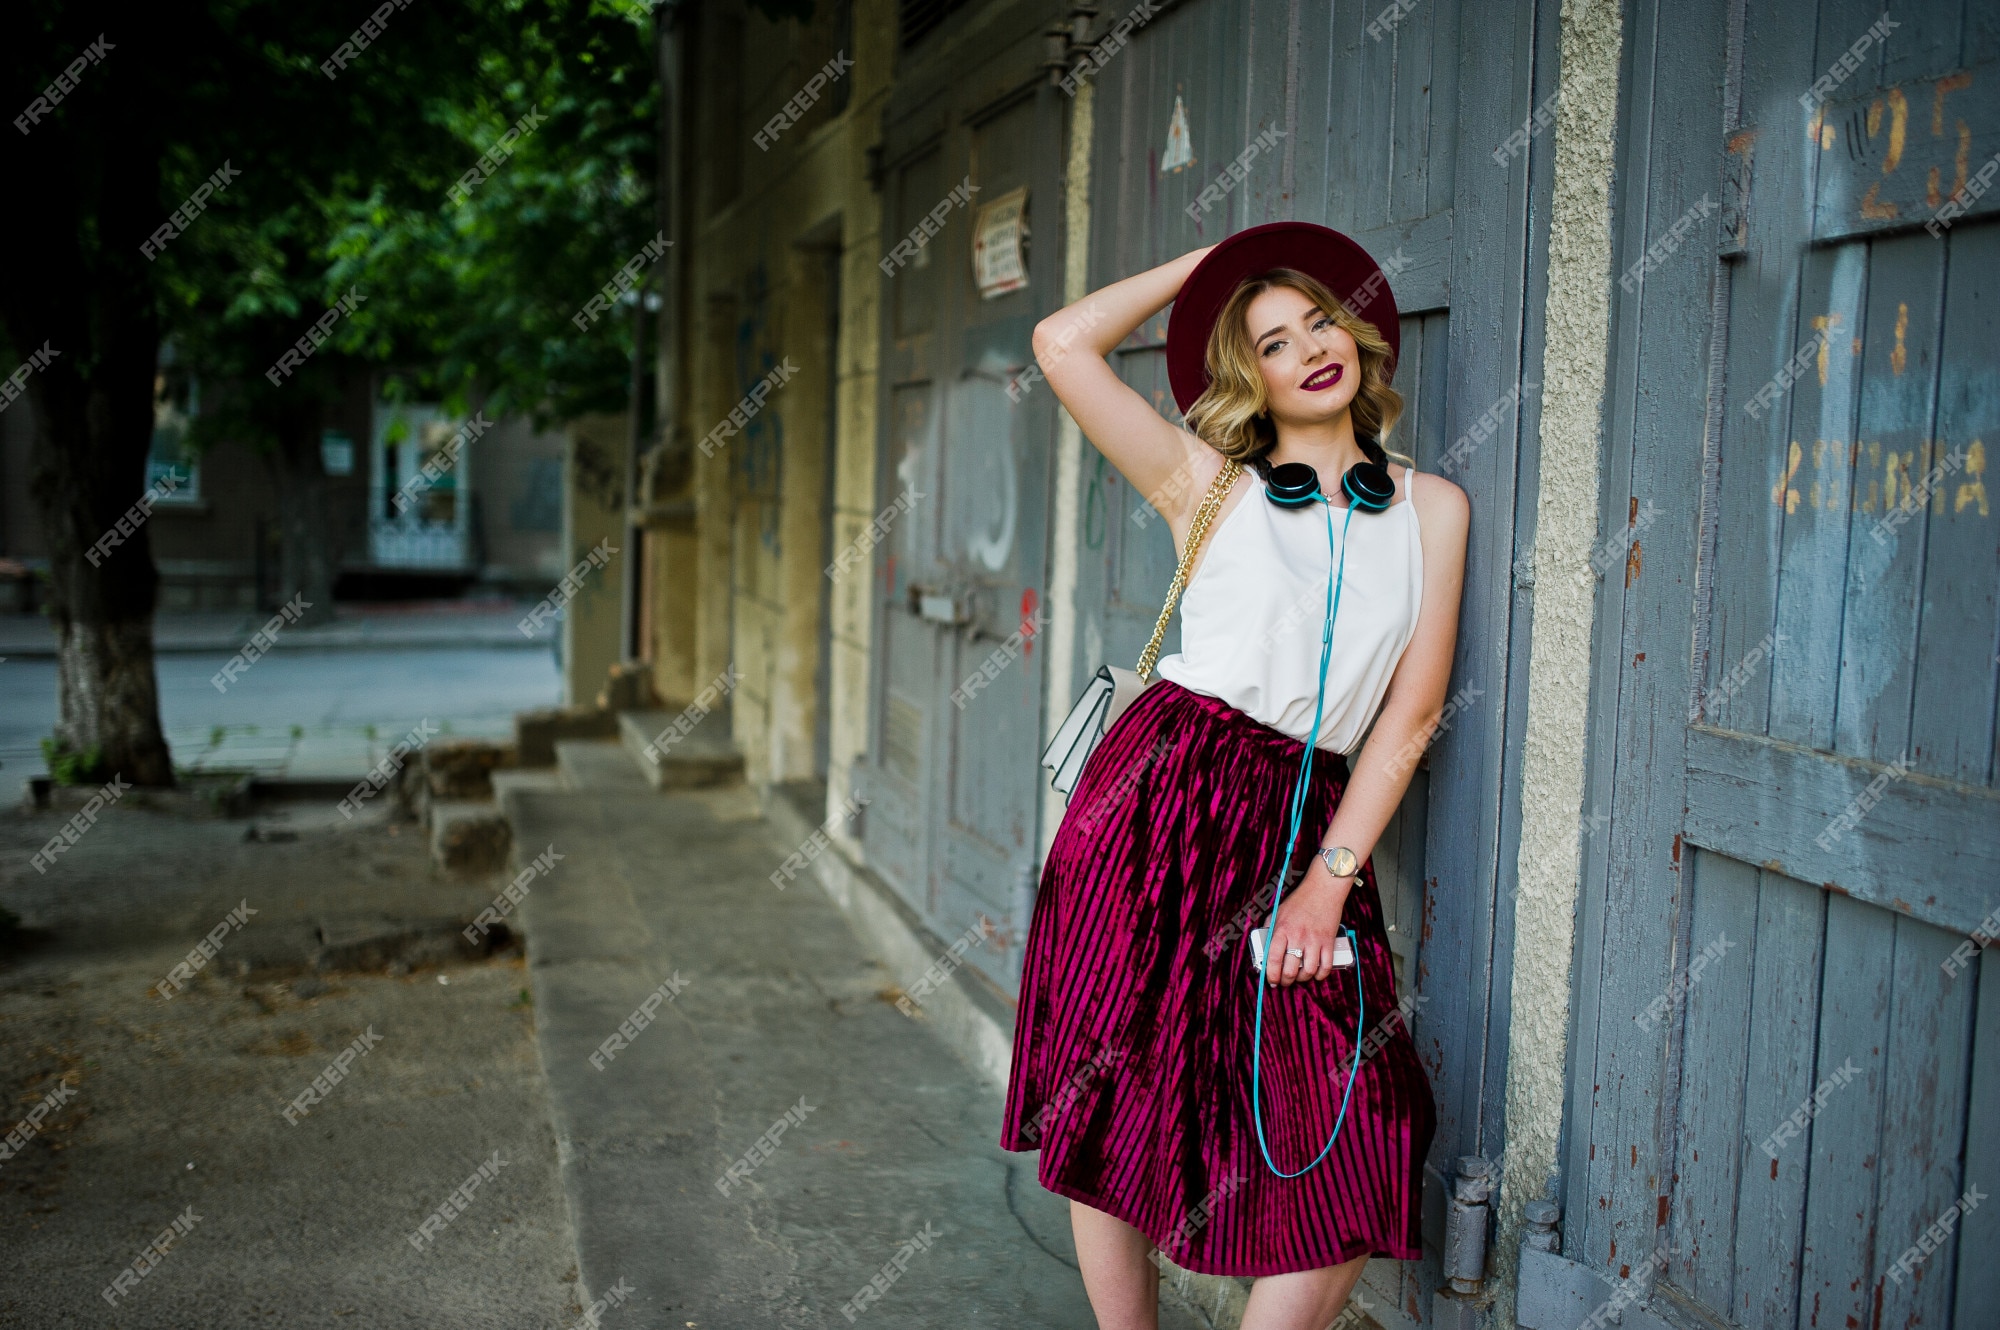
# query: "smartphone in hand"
[[1260, 942]]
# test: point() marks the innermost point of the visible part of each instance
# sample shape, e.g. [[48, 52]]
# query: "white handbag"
[[1112, 689]]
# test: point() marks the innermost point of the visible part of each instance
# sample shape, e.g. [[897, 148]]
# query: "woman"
[[1137, 1021]]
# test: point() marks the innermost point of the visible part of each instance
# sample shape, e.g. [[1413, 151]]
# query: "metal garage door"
[[1786, 1068], [953, 776]]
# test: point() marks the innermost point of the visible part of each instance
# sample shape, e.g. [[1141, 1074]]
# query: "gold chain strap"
[[1197, 531]]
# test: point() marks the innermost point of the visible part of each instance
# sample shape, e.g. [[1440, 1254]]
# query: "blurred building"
[[1698, 307], [490, 521]]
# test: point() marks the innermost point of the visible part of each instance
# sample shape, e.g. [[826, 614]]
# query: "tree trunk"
[[91, 442], [306, 557], [79, 298]]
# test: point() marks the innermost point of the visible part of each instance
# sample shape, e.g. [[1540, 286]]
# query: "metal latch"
[[940, 606]]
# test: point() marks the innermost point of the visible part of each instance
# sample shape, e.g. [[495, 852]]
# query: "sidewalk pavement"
[[442, 623], [779, 1022], [334, 931], [321, 753]]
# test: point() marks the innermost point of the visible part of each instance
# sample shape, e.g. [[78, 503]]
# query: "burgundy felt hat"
[[1319, 252]]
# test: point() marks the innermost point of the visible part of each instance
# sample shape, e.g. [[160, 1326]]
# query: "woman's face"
[[1311, 367]]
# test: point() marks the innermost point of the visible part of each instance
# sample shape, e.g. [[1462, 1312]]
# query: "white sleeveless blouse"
[[1252, 617]]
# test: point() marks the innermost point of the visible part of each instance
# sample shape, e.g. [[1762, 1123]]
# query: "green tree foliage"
[[477, 299], [338, 181]]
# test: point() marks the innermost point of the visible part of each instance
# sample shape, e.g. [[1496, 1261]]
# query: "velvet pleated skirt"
[[1133, 1041]]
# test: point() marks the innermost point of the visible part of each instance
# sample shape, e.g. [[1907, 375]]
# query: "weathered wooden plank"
[[1811, 583], [1421, 378], [1925, 42], [1951, 727], [1923, 1123], [1422, 252], [1715, 969], [1783, 1034], [1765, 331], [1878, 641], [1926, 848], [1409, 53], [1977, 1291], [1869, 182], [1324, 165], [1982, 33], [1660, 370], [1841, 1218], [1201, 63], [1266, 64], [1494, 54]]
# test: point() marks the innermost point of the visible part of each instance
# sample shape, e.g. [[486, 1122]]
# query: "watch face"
[[1343, 864]]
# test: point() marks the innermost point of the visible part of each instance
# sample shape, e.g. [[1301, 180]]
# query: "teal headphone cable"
[[1291, 841]]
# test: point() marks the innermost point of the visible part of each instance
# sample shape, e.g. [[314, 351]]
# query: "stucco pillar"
[[1577, 318]]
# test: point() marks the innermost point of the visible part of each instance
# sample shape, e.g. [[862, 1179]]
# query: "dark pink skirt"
[[1132, 1045]]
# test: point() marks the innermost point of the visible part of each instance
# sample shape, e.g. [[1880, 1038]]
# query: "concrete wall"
[[593, 511], [778, 264], [1577, 320], [517, 484]]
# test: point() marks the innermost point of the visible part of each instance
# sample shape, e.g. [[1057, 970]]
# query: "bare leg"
[[1306, 1300], [1124, 1286]]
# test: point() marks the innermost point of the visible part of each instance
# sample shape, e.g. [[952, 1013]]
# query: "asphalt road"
[[477, 690]]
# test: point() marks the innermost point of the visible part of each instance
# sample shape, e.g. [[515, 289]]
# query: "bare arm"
[[1073, 347], [1310, 915]]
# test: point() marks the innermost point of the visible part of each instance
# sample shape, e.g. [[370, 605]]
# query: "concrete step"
[[600, 765], [468, 836], [536, 733], [522, 779], [376, 941], [669, 760]]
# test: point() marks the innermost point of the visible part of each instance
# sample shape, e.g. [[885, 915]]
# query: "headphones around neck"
[[1293, 485], [1367, 484]]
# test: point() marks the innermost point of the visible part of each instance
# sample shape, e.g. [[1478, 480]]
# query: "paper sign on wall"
[[1180, 143], [999, 231]]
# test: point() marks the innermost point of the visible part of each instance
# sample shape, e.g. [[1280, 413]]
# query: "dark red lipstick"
[[1324, 379]]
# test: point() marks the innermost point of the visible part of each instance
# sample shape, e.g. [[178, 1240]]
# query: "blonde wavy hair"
[[1233, 415]]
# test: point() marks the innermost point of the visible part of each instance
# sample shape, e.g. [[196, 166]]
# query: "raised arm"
[[1073, 345]]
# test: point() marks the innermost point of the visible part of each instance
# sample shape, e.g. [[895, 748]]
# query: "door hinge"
[[1552, 1292], [1465, 1225]]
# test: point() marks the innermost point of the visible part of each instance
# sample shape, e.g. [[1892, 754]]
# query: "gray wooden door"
[[1385, 132], [952, 781], [1787, 1062]]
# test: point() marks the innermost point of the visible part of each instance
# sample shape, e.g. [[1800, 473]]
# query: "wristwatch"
[[1340, 860]]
